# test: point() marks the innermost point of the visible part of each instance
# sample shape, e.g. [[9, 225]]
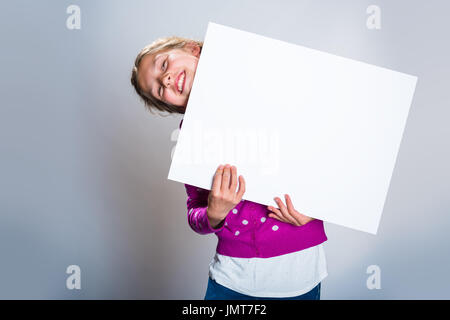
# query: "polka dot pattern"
[[248, 228]]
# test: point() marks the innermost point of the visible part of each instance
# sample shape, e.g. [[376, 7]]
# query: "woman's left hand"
[[288, 213]]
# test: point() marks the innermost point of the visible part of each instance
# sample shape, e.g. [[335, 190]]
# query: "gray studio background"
[[83, 173]]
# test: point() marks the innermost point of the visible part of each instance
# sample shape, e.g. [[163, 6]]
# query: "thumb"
[[241, 189]]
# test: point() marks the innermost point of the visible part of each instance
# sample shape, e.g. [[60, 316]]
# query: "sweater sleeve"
[[197, 203]]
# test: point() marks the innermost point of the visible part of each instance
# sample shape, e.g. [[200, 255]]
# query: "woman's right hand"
[[223, 196]]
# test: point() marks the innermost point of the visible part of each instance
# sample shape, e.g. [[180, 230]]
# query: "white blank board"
[[322, 128]]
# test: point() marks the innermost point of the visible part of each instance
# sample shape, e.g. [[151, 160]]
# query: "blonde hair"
[[158, 46]]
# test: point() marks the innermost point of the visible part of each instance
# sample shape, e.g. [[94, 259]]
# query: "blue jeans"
[[216, 291]]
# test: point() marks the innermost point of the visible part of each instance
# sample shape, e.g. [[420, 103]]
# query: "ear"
[[193, 48]]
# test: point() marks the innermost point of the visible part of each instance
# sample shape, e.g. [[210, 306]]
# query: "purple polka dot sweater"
[[248, 231]]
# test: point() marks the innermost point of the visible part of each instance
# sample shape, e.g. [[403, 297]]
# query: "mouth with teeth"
[[180, 81]]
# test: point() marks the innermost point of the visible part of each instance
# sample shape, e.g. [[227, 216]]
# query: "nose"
[[167, 80]]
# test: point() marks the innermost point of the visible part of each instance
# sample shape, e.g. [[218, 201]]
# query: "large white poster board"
[[322, 128]]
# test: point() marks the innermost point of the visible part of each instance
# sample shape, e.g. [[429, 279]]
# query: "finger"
[[274, 216], [289, 204], [234, 181], [241, 189], [292, 211], [277, 213], [285, 212], [217, 179], [225, 179], [299, 217]]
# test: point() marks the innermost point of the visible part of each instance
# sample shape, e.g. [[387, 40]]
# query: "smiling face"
[[168, 75]]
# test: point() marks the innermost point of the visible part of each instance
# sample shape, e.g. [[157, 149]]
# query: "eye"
[[164, 65]]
